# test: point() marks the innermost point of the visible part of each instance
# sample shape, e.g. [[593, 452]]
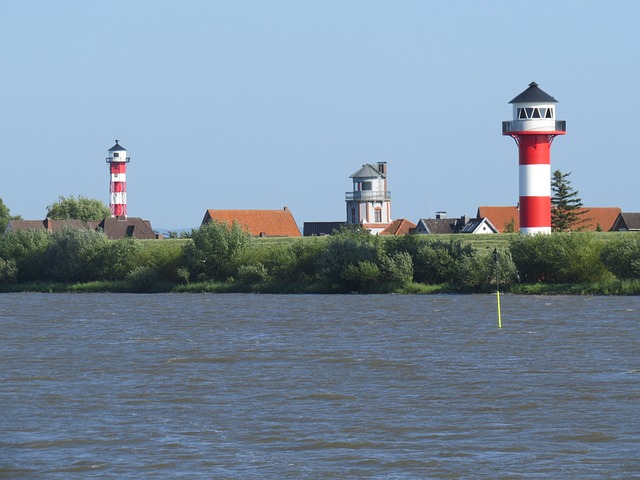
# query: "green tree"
[[566, 213], [214, 250], [24, 250], [75, 254], [559, 258], [437, 260], [621, 255], [510, 226], [81, 208], [478, 271], [5, 216], [350, 259], [115, 259]]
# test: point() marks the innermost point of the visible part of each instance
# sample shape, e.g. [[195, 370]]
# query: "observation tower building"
[[369, 204], [534, 126]]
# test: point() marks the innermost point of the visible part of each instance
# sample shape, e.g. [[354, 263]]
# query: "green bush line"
[[222, 258]]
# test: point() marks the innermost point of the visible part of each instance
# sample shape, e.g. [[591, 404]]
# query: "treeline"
[[225, 258]]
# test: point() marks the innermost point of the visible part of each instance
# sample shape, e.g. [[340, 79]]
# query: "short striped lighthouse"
[[117, 161], [534, 126]]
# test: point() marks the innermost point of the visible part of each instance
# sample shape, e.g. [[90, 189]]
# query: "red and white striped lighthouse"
[[117, 161], [534, 126]]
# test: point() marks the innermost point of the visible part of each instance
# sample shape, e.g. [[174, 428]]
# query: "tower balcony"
[[545, 125], [368, 196], [118, 159]]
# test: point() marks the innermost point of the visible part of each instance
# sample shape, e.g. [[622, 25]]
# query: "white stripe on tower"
[[535, 180]]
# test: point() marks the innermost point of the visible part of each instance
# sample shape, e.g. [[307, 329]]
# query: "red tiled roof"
[[500, 217], [604, 217], [398, 227], [269, 223]]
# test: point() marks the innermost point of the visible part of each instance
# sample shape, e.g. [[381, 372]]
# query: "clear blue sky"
[[261, 104]]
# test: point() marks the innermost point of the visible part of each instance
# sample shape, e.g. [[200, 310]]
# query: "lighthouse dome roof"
[[117, 147], [534, 94]]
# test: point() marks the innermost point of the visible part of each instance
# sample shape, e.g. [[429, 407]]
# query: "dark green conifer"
[[567, 213]]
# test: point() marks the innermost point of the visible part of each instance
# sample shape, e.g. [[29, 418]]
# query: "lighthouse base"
[[534, 230]]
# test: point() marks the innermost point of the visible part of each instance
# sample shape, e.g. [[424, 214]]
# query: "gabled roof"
[[399, 227], [603, 217], [627, 221], [368, 171], [438, 225], [479, 225], [501, 217], [127, 227], [534, 94], [112, 227], [267, 223], [20, 225], [48, 225]]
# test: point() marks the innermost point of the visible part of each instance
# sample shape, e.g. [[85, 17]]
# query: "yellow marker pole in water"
[[495, 259]]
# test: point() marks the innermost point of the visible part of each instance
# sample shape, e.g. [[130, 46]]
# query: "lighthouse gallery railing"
[[515, 126], [368, 195]]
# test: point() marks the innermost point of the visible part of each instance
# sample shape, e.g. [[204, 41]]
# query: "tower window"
[[366, 185], [116, 154], [530, 112], [378, 215]]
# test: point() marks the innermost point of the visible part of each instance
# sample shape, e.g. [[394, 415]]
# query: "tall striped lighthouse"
[[117, 161], [534, 126]]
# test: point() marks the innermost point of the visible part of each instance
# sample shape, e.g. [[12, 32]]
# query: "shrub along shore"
[[222, 258]]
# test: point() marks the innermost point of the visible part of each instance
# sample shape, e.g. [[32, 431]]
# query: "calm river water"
[[319, 386]]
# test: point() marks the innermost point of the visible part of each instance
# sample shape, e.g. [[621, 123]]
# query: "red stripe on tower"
[[117, 161], [534, 126]]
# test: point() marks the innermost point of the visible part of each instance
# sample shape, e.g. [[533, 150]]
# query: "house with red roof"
[[507, 219], [504, 219], [400, 226], [260, 223]]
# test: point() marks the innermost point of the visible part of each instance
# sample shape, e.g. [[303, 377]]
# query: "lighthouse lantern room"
[[534, 126], [117, 161]]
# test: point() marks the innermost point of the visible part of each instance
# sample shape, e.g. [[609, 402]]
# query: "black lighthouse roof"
[[534, 94], [116, 147]]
